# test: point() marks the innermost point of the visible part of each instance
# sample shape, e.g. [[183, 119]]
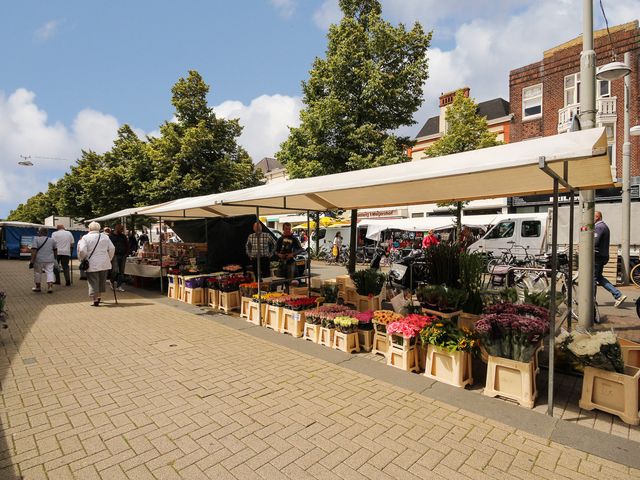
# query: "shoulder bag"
[[84, 264], [37, 250]]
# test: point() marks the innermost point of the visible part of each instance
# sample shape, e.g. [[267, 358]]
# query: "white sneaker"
[[619, 301]]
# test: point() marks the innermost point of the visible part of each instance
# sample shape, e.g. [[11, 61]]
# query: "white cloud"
[[25, 130], [47, 31], [284, 7], [328, 13], [265, 120]]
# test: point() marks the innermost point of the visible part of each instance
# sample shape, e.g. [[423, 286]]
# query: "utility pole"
[[587, 197], [626, 180]]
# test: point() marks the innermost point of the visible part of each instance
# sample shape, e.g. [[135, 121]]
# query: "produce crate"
[[346, 342], [612, 392], [453, 368]]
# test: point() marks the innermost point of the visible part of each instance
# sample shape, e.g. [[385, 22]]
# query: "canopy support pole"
[[161, 277], [552, 306], [258, 273], [309, 253]]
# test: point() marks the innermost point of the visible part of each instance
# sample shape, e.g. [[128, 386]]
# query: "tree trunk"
[[353, 243], [458, 220]]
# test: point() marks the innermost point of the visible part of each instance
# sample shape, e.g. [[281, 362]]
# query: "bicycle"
[[634, 275]]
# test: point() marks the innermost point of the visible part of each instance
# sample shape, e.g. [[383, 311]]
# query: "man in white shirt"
[[64, 240]]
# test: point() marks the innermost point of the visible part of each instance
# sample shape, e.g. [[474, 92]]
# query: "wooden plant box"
[[180, 290], [304, 291], [326, 336], [311, 332], [244, 306], [406, 360], [453, 316], [364, 303], [292, 322], [172, 289], [511, 379], [380, 343], [254, 312], [346, 342], [365, 339], [229, 301], [467, 320], [273, 317], [630, 352], [453, 368], [400, 343], [343, 281], [615, 393], [213, 298], [422, 357], [193, 296]]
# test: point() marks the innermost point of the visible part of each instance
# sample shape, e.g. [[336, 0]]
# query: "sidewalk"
[[153, 388]]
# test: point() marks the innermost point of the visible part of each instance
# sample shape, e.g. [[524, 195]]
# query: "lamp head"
[[613, 71], [635, 131]]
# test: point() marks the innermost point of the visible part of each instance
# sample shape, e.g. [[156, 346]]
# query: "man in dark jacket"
[[121, 243], [287, 247], [601, 246]]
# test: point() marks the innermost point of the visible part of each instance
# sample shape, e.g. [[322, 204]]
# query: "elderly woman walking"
[[98, 250], [43, 257]]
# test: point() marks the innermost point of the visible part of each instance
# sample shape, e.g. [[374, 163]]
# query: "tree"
[[466, 130], [369, 84], [198, 153]]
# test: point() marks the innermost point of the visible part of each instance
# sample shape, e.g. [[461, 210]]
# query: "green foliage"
[[368, 281], [443, 264], [472, 267], [442, 298], [330, 293], [369, 84], [195, 155], [466, 131], [449, 337], [541, 299]]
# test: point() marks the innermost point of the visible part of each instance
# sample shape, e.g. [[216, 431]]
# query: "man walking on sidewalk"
[[121, 244], [64, 240], [601, 245]]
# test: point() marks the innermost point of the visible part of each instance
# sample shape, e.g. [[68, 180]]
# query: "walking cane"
[[71, 269], [113, 287]]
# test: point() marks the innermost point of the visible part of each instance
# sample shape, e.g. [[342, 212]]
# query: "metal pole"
[[552, 306], [569, 281], [309, 253], [161, 278], [626, 180], [258, 273], [587, 197]]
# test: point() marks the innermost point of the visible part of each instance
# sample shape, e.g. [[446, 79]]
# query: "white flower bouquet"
[[599, 350]]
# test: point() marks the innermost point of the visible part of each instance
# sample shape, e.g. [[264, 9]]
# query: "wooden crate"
[[343, 281], [292, 322], [244, 306], [467, 320], [612, 392], [254, 312], [346, 342], [273, 317], [180, 291], [406, 360], [422, 356], [229, 301], [172, 289], [365, 339], [630, 352], [511, 379], [326, 336], [312, 332], [453, 368], [304, 291], [213, 298], [380, 343], [452, 316], [193, 296], [364, 303]]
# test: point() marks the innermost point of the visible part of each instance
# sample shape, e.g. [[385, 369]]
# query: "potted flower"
[[329, 293], [345, 337], [403, 333], [315, 317], [368, 284], [365, 330], [449, 351], [608, 384], [512, 335]]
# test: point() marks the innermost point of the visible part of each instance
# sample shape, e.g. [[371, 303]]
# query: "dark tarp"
[[226, 238], [11, 236]]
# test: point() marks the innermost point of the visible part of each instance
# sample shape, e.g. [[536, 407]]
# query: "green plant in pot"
[[452, 299], [330, 293], [472, 267], [443, 265], [368, 282], [429, 295]]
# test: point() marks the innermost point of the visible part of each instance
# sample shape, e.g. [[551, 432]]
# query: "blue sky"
[[73, 71]]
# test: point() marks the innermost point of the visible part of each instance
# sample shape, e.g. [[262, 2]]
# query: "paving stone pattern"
[[144, 391]]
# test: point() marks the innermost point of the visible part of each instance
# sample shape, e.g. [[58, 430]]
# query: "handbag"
[[38, 249], [84, 263]]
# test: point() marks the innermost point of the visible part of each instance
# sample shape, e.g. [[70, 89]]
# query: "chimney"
[[446, 99]]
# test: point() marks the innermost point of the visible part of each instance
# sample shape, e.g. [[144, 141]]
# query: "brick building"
[[544, 95]]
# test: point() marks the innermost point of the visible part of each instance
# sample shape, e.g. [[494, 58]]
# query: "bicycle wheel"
[[634, 275]]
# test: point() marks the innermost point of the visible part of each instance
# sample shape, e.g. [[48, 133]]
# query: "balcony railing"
[[605, 110]]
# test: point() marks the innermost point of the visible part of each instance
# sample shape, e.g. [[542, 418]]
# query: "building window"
[[532, 101], [604, 89], [572, 89], [417, 215]]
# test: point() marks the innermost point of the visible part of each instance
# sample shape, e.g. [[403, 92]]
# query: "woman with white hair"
[[98, 250]]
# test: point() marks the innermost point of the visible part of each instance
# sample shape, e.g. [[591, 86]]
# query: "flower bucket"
[[452, 368], [612, 392]]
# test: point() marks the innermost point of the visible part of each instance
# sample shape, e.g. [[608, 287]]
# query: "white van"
[[522, 233]]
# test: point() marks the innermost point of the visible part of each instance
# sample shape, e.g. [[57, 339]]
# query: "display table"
[[143, 270]]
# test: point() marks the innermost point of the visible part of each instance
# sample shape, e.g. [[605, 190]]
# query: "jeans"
[[265, 267], [117, 269], [64, 263], [599, 279]]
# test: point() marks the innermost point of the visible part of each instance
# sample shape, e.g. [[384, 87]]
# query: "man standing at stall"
[[287, 248], [121, 244], [64, 240], [267, 247]]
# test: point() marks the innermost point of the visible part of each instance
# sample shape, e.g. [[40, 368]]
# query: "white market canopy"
[[502, 171], [127, 212]]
